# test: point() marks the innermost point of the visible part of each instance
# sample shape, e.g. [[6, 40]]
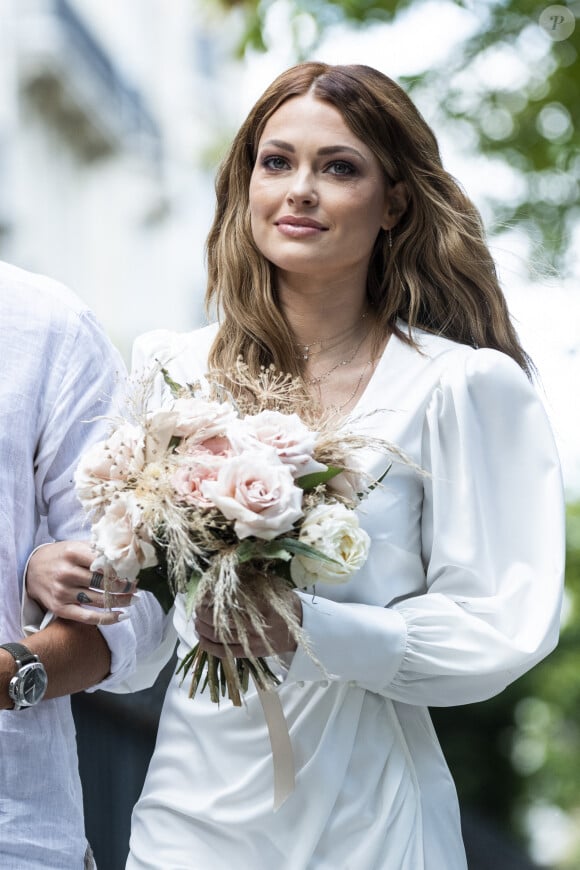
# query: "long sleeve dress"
[[460, 595]]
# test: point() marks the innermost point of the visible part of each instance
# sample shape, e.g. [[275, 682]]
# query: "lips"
[[294, 221]]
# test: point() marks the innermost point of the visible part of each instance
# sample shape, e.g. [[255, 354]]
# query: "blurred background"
[[113, 119]]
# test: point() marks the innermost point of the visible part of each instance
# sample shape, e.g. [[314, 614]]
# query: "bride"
[[344, 253]]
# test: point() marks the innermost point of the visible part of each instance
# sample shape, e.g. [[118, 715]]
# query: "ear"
[[396, 202]]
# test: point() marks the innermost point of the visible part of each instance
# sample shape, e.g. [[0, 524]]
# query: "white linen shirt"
[[59, 372]]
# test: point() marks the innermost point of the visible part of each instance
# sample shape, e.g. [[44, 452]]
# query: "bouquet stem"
[[228, 675]]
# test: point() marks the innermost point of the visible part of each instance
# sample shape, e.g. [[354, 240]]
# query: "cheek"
[[368, 215], [260, 198]]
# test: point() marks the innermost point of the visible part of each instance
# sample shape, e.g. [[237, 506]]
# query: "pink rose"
[[189, 477], [216, 446], [258, 492], [285, 433]]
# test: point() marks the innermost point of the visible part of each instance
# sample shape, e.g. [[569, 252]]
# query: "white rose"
[[106, 466], [334, 530], [292, 440], [123, 539], [258, 492]]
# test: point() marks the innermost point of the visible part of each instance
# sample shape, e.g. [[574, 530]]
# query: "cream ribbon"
[[282, 753]]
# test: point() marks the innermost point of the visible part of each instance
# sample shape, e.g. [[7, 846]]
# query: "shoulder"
[[186, 351], [49, 317], [458, 365], [38, 294]]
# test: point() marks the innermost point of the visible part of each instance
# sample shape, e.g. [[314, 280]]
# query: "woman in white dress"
[[344, 253]]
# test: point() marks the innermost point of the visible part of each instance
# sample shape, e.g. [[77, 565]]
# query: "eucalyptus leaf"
[[311, 481], [299, 548], [173, 385]]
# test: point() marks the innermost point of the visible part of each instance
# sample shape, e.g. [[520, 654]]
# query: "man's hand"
[[59, 578]]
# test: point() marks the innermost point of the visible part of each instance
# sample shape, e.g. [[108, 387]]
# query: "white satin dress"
[[460, 595]]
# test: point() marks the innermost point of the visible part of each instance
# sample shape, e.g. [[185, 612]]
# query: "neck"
[[319, 316]]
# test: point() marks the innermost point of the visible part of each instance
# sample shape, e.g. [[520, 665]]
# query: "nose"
[[302, 189]]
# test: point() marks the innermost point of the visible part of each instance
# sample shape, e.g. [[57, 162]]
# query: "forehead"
[[307, 114]]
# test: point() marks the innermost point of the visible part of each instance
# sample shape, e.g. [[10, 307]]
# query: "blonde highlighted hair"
[[438, 275]]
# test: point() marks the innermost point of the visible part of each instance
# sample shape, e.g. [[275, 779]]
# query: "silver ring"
[[97, 580]]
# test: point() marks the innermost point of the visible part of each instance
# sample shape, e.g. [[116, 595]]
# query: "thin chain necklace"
[[343, 362], [336, 409], [305, 350]]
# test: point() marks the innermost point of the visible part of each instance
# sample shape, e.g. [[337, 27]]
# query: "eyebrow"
[[329, 149]]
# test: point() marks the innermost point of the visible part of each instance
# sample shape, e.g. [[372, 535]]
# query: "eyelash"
[[268, 161]]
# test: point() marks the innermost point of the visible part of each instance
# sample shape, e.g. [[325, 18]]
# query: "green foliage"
[[527, 120]]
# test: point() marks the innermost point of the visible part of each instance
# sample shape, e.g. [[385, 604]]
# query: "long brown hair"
[[438, 275]]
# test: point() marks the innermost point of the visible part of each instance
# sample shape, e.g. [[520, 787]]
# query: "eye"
[[341, 167], [274, 162]]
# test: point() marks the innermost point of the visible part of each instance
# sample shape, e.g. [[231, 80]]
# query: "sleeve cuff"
[[140, 647], [360, 644], [32, 616]]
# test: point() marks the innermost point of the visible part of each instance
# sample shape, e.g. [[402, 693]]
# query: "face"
[[318, 197]]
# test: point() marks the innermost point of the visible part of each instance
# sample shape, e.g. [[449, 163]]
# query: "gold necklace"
[[343, 362], [305, 350], [336, 409]]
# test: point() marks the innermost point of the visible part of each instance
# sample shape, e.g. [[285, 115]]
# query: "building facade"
[[109, 115]]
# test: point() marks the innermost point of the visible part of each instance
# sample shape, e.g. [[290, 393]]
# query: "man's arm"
[[75, 657]]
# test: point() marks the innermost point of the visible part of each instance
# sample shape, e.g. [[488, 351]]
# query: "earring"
[[390, 240]]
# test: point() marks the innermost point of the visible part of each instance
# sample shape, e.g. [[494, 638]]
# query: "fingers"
[[115, 586], [117, 592], [90, 616], [277, 637], [211, 643]]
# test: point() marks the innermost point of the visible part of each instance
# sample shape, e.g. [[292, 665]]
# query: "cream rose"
[[285, 433], [159, 430], [334, 530], [123, 539], [258, 492], [199, 419]]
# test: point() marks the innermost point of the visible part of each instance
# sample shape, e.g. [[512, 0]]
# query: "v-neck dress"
[[460, 595]]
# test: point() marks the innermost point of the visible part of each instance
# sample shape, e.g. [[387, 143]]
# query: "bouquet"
[[228, 495]]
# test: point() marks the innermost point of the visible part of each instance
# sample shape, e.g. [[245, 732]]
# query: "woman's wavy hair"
[[438, 275]]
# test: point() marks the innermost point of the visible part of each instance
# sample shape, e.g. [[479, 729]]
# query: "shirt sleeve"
[[90, 383], [493, 550]]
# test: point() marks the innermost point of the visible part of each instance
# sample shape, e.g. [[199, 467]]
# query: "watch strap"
[[21, 654]]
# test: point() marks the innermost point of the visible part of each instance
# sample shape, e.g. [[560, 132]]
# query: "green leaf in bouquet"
[[301, 549], [311, 481], [155, 580], [282, 570], [173, 385], [375, 483], [192, 585], [248, 550], [265, 550], [277, 549]]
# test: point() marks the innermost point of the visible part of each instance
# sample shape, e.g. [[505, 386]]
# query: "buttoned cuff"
[[356, 643]]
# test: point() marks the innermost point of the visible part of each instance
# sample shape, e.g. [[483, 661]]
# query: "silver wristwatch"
[[28, 685]]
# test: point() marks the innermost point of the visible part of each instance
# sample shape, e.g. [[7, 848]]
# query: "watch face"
[[29, 685]]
